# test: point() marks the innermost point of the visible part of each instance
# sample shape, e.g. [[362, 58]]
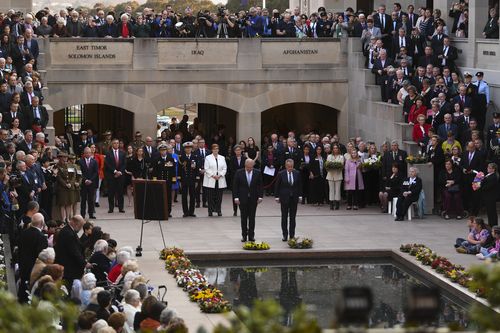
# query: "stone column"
[[50, 130], [145, 121], [478, 14], [249, 125]]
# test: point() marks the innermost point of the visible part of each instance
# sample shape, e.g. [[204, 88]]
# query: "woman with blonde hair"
[[334, 177]]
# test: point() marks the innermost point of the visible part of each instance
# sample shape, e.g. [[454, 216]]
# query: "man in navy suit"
[[247, 193], [150, 152], [90, 181], [114, 171], [472, 161], [383, 21], [462, 98], [448, 126], [31, 44], [288, 192]]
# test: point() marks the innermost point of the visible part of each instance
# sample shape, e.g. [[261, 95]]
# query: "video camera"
[[221, 11]]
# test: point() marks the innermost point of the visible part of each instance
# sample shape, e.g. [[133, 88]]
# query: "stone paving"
[[331, 230]]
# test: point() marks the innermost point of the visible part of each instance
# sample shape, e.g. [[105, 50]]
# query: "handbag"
[[454, 188]]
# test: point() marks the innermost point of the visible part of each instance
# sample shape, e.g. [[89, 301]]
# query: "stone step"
[[43, 75], [373, 92], [369, 76], [40, 61], [357, 60], [406, 130], [355, 45], [411, 147]]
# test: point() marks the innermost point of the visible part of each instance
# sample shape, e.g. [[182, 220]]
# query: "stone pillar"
[[50, 130], [145, 122], [249, 125], [478, 14]]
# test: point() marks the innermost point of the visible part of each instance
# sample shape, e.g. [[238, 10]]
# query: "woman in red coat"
[[420, 129], [417, 109]]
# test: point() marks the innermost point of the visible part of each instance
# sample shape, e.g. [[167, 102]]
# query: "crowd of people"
[[413, 61]]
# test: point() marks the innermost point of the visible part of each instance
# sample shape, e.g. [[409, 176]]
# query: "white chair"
[[410, 209], [389, 207]]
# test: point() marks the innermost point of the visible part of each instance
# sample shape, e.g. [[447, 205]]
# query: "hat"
[[496, 114], [62, 154], [480, 74], [108, 132], [162, 146], [83, 132], [188, 144], [72, 156], [138, 133], [467, 74]]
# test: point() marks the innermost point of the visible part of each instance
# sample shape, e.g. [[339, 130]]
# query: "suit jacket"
[[243, 191], [377, 65], [491, 28], [31, 242], [234, 166], [414, 188], [295, 156], [108, 30], [7, 118], [426, 60], [467, 103], [34, 49], [286, 192], [89, 173], [25, 101], [477, 164], [489, 187], [212, 168], [44, 116], [187, 172], [23, 145], [110, 164], [443, 133], [69, 253], [150, 157], [396, 47], [452, 56], [436, 43], [386, 28]]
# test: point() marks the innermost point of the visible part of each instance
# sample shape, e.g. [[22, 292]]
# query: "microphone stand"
[[138, 250]]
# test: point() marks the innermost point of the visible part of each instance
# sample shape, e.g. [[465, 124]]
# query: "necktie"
[[249, 178], [402, 43], [117, 159], [290, 179], [217, 166], [470, 157], [394, 155], [382, 20], [467, 120], [149, 151], [447, 128], [88, 163], [463, 100]]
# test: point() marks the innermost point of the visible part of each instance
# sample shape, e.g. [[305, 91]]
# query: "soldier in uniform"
[[63, 187], [105, 144], [494, 153], [138, 142], [470, 89], [82, 143], [493, 128], [482, 99], [189, 166], [164, 169]]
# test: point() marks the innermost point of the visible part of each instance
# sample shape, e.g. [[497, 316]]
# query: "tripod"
[[138, 250]]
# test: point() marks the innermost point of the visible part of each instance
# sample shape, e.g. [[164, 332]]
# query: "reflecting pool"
[[319, 286]]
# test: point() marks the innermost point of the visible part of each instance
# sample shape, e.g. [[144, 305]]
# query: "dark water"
[[319, 286]]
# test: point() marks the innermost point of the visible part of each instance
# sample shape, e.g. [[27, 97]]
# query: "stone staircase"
[[369, 117], [42, 62]]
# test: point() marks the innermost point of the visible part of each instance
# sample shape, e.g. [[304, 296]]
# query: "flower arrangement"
[[253, 246], [3, 268], [333, 165], [372, 163], [476, 183], [297, 243], [192, 281], [419, 159], [441, 265]]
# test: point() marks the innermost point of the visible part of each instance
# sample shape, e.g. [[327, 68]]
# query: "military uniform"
[[164, 169], [136, 144], [63, 178], [482, 99], [189, 166]]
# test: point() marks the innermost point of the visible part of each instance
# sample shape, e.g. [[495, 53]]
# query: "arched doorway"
[[99, 117], [301, 118]]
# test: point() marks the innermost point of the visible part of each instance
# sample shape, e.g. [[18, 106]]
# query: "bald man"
[[247, 193], [31, 242]]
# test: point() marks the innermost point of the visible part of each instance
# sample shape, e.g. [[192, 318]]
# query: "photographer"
[[253, 24], [188, 29], [324, 25], [226, 26], [204, 25], [162, 25]]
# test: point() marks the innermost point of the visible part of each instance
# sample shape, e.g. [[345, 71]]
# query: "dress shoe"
[[122, 211], [235, 214], [251, 239], [92, 217], [192, 215], [210, 214], [243, 239], [205, 206], [197, 205], [110, 211], [398, 219], [169, 215], [284, 239], [185, 215], [219, 214], [97, 204]]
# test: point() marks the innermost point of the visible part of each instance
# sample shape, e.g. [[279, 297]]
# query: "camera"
[[15, 181], [276, 15], [221, 11], [202, 18]]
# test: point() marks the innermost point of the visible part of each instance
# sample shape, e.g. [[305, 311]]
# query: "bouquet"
[[476, 183], [420, 159], [372, 163], [171, 251], [332, 165], [297, 243], [253, 246]]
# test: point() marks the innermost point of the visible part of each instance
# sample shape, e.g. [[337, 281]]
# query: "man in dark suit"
[[491, 28], [201, 153], [37, 113], [247, 193], [489, 193], [383, 21], [150, 152], [31, 242], [288, 192], [15, 112], [462, 98], [463, 123], [31, 44], [401, 40], [429, 58], [20, 55], [412, 17], [380, 68], [395, 155], [90, 182], [291, 152], [189, 171], [114, 170], [448, 126], [164, 169], [27, 144], [69, 251], [447, 55], [28, 94], [410, 191], [437, 40], [471, 162]]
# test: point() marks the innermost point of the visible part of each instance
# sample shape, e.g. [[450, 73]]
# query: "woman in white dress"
[[215, 180]]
